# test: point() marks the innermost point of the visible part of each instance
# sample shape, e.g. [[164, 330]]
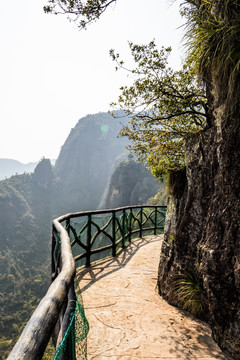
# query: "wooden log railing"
[[81, 237]]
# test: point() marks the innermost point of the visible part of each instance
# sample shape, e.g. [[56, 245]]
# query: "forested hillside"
[[29, 202], [24, 250]]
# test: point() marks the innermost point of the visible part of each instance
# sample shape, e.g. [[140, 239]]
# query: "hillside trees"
[[166, 106]]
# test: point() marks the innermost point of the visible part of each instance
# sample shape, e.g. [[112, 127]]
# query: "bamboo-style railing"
[[80, 237]]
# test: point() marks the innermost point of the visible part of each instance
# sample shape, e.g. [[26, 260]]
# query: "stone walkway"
[[127, 317]]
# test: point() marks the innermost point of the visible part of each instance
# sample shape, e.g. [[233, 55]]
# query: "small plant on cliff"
[[188, 293]]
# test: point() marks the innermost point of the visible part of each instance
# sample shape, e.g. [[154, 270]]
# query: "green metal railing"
[[97, 234], [81, 238]]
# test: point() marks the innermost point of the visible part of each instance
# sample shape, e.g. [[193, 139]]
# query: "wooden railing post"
[[89, 236], [114, 233]]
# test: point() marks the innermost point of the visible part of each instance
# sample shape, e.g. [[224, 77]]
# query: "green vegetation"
[[161, 197], [188, 294], [28, 204], [169, 107], [82, 12], [24, 254], [131, 184], [212, 35], [166, 106]]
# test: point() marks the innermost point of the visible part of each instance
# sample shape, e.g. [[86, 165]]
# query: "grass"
[[188, 293]]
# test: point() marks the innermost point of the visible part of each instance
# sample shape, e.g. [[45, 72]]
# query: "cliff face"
[[131, 184], [202, 236], [85, 162], [202, 241]]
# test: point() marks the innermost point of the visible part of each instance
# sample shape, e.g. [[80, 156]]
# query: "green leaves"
[[188, 292], [213, 30], [82, 12], [166, 106]]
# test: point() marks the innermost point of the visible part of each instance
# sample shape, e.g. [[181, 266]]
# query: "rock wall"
[[84, 165], [203, 232]]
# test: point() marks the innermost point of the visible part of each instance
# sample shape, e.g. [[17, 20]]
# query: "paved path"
[[127, 317]]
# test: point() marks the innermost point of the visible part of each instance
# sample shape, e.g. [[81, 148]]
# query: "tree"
[[166, 106], [82, 12]]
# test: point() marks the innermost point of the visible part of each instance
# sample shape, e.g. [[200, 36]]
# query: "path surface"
[[127, 317]]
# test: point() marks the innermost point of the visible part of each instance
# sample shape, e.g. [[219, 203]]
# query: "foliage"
[[166, 106], [29, 202], [82, 12], [188, 293], [161, 198], [24, 254], [131, 183], [213, 31]]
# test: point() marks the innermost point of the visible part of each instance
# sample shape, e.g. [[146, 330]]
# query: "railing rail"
[[36, 334], [97, 234], [114, 230]]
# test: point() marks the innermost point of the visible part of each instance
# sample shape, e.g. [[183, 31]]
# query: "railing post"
[[123, 228], [141, 218], [114, 233], [68, 226], [89, 236], [130, 226], [155, 221]]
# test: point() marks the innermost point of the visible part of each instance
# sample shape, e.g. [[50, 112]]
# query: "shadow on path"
[[129, 320], [105, 267]]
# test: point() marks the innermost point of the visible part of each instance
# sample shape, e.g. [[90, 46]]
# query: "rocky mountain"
[[29, 202], [131, 184], [85, 163], [10, 167]]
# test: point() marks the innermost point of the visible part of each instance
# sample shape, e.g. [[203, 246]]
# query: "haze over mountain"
[[9, 167], [84, 165], [30, 201]]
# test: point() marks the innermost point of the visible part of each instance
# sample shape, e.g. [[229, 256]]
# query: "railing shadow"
[[178, 335], [103, 268], [122, 225]]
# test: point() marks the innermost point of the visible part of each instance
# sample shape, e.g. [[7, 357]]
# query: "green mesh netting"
[[74, 343]]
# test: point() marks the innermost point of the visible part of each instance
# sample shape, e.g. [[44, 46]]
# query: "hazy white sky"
[[52, 74]]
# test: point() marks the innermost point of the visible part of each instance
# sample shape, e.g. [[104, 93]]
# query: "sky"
[[52, 74]]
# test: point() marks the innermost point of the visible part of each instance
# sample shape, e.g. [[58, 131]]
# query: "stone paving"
[[127, 317]]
